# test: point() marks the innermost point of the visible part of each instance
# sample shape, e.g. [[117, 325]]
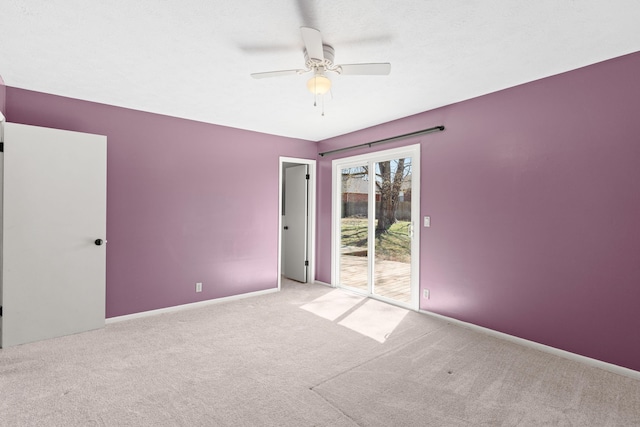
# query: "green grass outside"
[[394, 245]]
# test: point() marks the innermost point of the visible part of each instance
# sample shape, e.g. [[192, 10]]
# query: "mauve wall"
[[3, 95], [534, 196], [187, 202]]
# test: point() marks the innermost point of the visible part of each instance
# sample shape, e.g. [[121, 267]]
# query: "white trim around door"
[[311, 210]]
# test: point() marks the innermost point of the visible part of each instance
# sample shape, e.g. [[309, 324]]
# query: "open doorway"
[[296, 231]]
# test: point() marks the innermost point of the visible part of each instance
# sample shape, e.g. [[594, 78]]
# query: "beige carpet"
[[307, 356]]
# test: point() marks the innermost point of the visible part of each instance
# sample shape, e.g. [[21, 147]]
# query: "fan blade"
[[377, 69], [313, 43], [276, 73]]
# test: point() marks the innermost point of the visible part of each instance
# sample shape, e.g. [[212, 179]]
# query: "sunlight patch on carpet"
[[333, 305], [369, 317], [375, 319]]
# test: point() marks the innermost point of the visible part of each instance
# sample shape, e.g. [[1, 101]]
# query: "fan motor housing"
[[329, 55]]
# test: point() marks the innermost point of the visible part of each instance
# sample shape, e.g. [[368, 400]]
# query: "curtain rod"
[[382, 141]]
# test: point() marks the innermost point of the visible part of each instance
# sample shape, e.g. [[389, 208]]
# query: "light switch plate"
[[427, 221]]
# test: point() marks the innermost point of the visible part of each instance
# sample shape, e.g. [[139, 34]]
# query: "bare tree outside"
[[390, 176], [385, 247], [392, 188], [392, 185]]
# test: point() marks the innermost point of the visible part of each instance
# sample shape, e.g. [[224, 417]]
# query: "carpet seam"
[[398, 347], [335, 407]]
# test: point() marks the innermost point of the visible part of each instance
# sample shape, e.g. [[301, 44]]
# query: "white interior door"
[[53, 213], [294, 240]]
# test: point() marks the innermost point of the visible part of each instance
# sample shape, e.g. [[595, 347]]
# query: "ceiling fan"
[[318, 59]]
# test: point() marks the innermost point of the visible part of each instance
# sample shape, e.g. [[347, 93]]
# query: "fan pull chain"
[[315, 92], [315, 96]]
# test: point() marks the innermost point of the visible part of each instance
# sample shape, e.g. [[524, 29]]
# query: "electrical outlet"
[[199, 287], [425, 293]]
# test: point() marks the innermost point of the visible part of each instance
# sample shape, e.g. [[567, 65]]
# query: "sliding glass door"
[[393, 230], [354, 227], [375, 207]]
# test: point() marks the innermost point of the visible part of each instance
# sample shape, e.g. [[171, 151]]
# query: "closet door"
[[53, 240], [295, 223]]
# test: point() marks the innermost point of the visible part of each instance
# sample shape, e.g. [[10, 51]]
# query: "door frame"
[[311, 209], [337, 165]]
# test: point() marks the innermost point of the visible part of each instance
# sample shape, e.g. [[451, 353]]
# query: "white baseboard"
[[318, 282], [620, 370], [188, 306]]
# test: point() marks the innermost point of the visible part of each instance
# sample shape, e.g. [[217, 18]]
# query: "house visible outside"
[[355, 197]]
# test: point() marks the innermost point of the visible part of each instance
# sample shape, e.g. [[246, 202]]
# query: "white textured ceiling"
[[192, 58]]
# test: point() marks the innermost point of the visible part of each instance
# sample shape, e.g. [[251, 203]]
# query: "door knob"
[[286, 227], [100, 242]]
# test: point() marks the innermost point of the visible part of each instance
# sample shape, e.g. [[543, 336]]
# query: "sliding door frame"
[[370, 159]]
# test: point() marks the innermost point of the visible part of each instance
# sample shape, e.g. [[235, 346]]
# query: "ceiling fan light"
[[319, 85]]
